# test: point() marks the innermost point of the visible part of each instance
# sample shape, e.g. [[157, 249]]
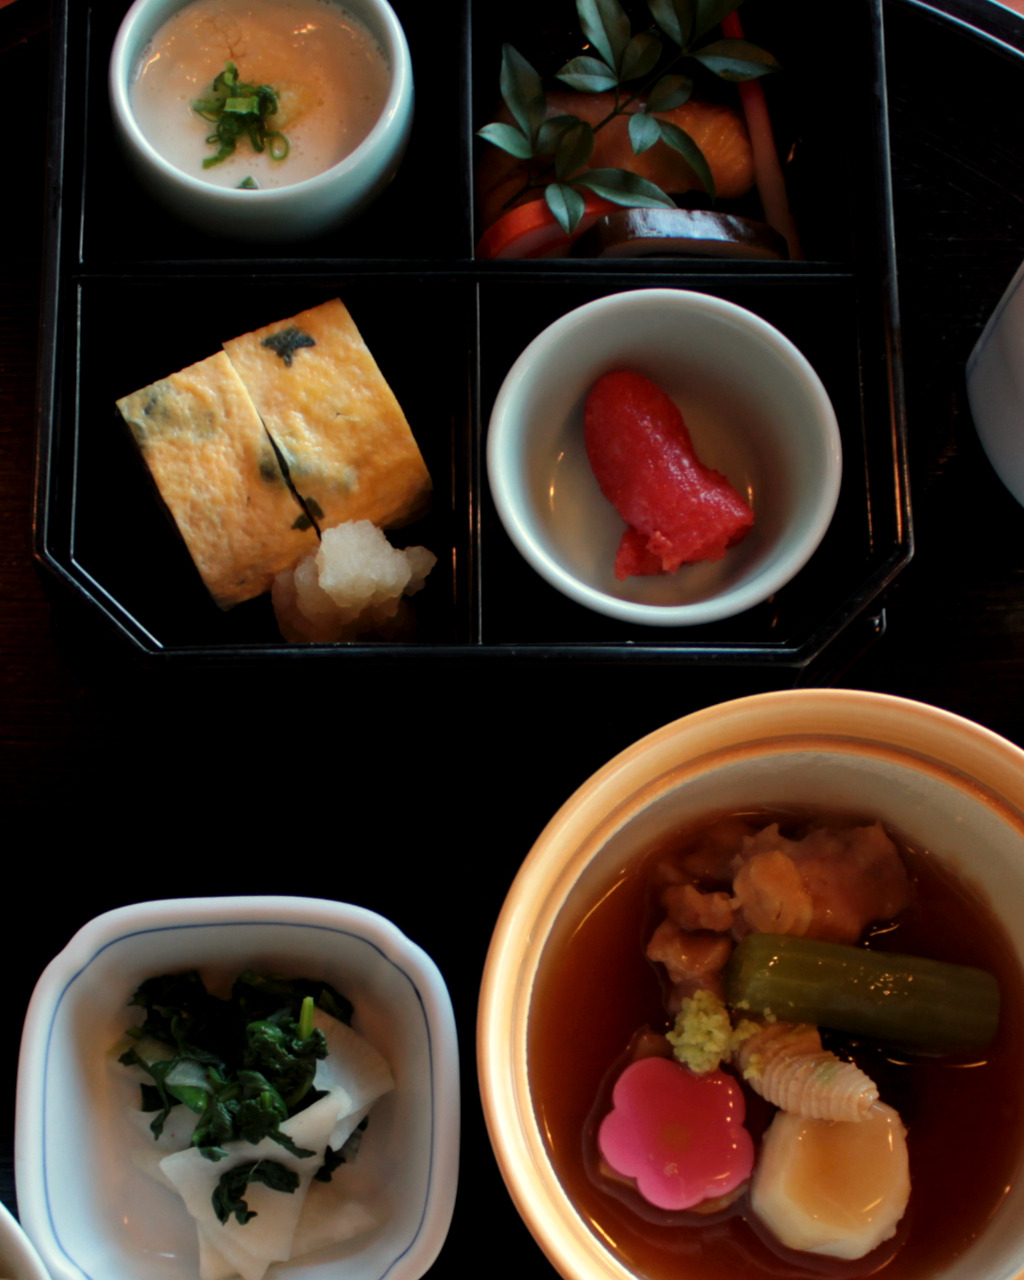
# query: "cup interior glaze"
[[944, 784], [293, 212]]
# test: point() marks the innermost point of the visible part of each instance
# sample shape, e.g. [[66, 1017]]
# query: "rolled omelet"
[[289, 430], [342, 434], [218, 474]]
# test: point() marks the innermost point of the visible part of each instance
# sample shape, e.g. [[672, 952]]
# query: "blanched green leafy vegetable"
[[279, 1086], [229, 1199], [243, 1066]]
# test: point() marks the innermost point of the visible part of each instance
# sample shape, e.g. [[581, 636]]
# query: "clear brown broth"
[[964, 1119]]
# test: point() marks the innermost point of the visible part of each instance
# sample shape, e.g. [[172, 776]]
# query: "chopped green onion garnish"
[[240, 110], [278, 145]]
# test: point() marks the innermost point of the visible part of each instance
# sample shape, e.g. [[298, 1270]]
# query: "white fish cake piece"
[[332, 1216], [354, 1075], [834, 1187], [215, 467], [148, 1150], [213, 1265], [349, 450], [786, 1064], [352, 1066], [268, 1236]]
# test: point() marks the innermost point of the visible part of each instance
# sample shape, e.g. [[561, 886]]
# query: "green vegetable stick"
[[305, 1027], [923, 1004]]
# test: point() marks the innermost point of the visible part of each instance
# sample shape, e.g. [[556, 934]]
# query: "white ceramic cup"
[[995, 387], [302, 209], [755, 408]]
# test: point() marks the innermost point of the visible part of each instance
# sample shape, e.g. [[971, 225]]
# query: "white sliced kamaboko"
[[835, 1187], [352, 1077], [354, 1066], [266, 1237]]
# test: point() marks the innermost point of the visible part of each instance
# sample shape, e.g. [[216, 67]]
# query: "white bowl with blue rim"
[[18, 1258], [89, 1212]]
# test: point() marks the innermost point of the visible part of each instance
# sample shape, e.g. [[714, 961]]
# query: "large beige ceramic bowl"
[[947, 785]]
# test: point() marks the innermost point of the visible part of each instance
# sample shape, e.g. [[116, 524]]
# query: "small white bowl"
[[18, 1258], [302, 209], [756, 411], [87, 1209], [946, 785]]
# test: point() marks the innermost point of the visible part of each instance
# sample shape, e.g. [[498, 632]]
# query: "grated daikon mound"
[[352, 585]]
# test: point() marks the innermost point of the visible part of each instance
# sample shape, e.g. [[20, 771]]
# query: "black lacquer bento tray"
[[132, 296]]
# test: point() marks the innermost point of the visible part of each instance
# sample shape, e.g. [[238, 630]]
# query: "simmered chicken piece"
[[711, 860], [692, 960], [830, 885], [689, 908]]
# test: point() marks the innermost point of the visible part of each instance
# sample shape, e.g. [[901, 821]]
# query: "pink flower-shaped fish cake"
[[679, 1135]]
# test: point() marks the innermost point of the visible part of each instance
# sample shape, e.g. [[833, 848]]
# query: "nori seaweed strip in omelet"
[[346, 444], [220, 477]]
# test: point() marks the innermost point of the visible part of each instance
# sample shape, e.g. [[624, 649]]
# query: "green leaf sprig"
[[240, 110], [649, 72]]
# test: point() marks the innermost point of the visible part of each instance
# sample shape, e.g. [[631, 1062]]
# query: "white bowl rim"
[[385, 136], [19, 1251], [801, 714], [735, 599], [104, 930]]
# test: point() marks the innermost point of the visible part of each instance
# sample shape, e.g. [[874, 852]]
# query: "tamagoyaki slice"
[[345, 441], [216, 470]]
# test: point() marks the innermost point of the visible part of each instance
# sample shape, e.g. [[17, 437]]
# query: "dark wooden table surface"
[[121, 782]]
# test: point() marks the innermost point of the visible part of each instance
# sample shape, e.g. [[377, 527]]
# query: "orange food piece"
[[531, 230], [717, 129]]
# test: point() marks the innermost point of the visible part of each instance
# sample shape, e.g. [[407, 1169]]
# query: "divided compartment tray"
[[132, 296]]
